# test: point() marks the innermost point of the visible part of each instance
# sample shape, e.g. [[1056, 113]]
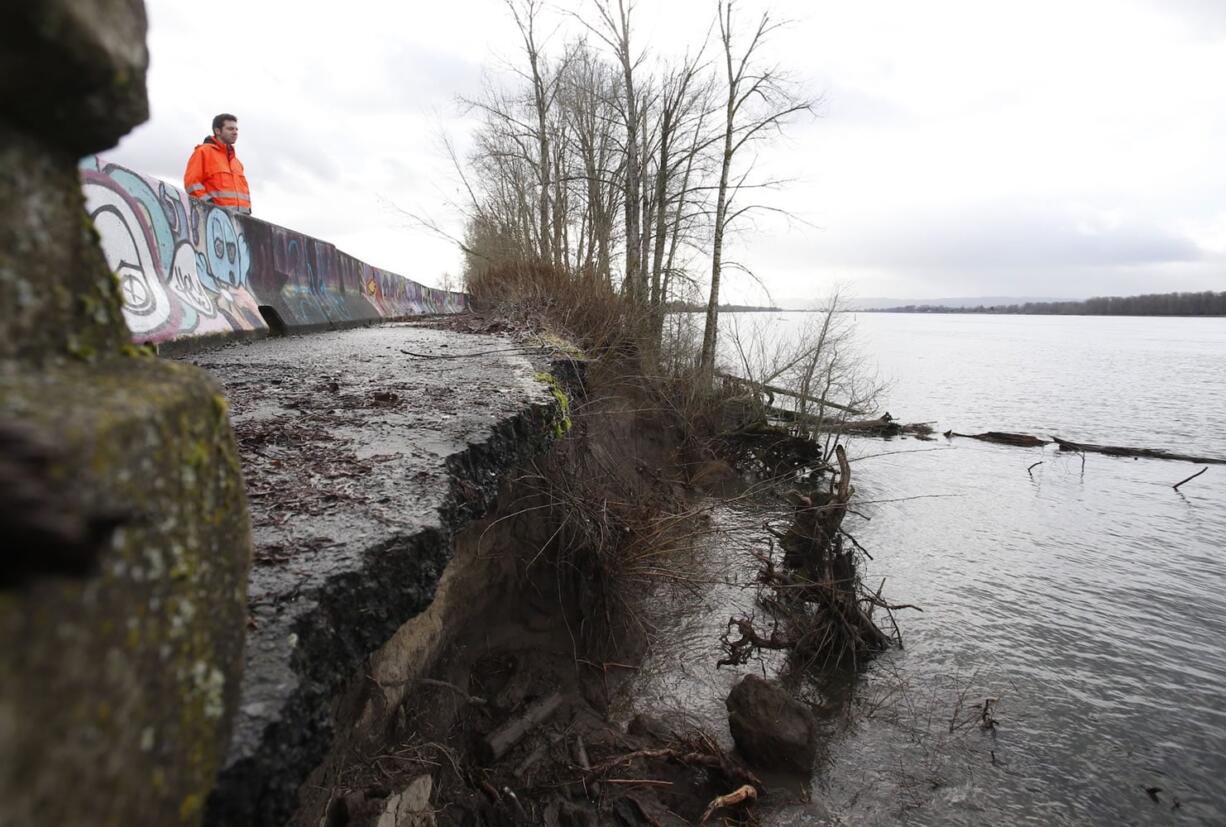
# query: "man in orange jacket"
[[214, 174]]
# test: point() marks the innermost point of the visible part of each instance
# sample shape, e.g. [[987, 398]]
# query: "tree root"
[[744, 793]]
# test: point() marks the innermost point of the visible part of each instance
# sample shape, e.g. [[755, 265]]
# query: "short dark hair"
[[220, 120]]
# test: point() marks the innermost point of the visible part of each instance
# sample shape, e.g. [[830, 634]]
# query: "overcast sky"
[[962, 148]]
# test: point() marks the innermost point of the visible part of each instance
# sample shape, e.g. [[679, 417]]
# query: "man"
[[214, 174]]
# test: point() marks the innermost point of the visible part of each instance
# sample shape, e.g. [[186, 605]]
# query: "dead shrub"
[[588, 311]]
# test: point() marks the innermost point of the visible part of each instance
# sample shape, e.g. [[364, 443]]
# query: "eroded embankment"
[[492, 706], [361, 464], [453, 552]]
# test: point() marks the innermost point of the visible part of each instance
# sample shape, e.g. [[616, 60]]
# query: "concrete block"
[[58, 298], [72, 72], [120, 687]]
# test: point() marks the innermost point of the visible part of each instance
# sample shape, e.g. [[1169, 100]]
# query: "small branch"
[[745, 793], [494, 745], [1189, 479], [1032, 467], [856, 543]]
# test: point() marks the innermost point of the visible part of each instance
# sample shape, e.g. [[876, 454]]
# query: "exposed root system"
[[821, 611]]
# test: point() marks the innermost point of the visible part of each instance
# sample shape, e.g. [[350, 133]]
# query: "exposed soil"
[[564, 641]]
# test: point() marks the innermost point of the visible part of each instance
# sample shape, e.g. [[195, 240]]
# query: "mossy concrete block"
[[72, 72], [58, 298], [120, 688]]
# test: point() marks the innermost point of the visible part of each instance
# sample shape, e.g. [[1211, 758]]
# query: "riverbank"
[[528, 715], [510, 722]]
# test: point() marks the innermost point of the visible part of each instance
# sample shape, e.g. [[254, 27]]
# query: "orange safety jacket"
[[215, 175]]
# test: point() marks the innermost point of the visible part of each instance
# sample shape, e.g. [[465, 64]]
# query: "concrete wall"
[[188, 271]]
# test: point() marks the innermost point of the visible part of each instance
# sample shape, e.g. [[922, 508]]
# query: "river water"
[[1089, 597]]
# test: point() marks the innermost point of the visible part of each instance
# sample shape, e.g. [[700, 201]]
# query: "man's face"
[[228, 133]]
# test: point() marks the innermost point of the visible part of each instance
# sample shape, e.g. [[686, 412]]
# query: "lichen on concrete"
[[58, 299], [122, 685], [120, 639]]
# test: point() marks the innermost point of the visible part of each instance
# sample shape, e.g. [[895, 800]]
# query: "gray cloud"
[[340, 108], [1005, 235], [1207, 16], [979, 237]]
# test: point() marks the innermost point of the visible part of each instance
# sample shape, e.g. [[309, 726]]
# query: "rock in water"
[[772, 729]]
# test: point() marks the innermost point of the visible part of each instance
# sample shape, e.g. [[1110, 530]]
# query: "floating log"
[[1003, 438], [775, 389], [1145, 453], [882, 426], [1029, 441]]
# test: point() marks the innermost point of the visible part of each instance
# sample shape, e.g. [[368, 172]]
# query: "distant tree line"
[[1205, 303]]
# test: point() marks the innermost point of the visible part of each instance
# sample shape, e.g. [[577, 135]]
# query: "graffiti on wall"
[[181, 264], [187, 269]]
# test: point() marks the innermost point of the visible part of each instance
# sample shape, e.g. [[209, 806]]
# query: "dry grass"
[[585, 310]]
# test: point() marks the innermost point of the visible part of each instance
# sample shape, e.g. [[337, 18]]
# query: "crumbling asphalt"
[[364, 451]]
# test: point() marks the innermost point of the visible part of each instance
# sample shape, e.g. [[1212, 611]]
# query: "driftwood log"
[[1145, 453], [1030, 441], [1003, 438], [882, 426]]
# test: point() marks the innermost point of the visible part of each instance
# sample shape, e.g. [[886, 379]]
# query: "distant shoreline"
[[953, 311], [1206, 304], [1202, 304]]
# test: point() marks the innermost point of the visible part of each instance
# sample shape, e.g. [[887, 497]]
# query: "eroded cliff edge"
[[364, 453]]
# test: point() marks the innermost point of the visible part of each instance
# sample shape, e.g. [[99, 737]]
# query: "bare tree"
[[588, 92], [683, 113], [583, 135], [525, 20], [759, 100], [614, 30], [815, 375]]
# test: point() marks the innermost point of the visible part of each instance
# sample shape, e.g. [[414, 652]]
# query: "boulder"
[[772, 730]]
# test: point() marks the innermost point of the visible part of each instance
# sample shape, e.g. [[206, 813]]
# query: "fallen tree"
[[1030, 441]]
